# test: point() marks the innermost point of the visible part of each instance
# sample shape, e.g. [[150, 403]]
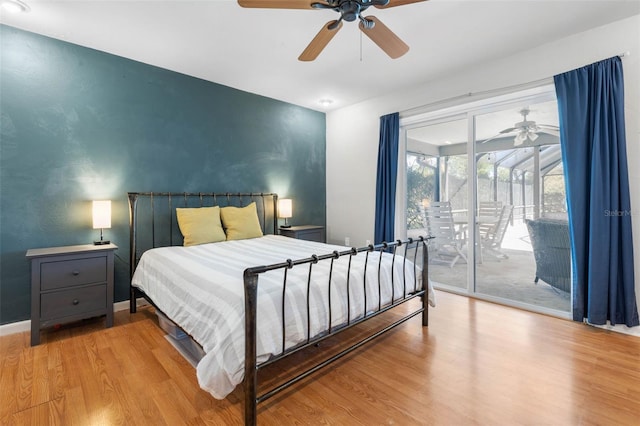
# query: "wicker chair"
[[552, 252]]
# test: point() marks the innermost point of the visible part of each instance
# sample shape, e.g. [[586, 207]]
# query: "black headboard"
[[153, 222]]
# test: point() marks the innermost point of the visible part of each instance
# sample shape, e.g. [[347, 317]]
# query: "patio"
[[509, 278]]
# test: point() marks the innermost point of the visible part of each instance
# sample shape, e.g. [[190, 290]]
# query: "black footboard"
[[156, 226], [251, 280]]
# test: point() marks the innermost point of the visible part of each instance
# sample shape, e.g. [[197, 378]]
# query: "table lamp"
[[285, 210], [101, 218]]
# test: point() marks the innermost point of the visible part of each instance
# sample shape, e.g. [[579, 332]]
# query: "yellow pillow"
[[200, 225], [241, 222]]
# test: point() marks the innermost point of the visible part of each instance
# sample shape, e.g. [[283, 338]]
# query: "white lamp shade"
[[285, 208], [102, 214]]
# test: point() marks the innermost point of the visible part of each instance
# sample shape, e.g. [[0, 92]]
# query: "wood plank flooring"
[[476, 364]]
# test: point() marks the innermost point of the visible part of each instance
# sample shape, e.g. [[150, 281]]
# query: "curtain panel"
[[593, 144], [386, 177]]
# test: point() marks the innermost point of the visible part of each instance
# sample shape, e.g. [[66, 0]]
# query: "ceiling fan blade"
[[550, 131], [548, 126], [498, 136], [320, 41], [384, 38], [394, 3], [509, 130], [491, 138], [277, 4]]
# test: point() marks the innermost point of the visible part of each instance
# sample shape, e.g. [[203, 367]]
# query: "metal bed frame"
[[267, 212]]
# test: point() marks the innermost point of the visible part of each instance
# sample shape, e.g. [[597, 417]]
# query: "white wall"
[[352, 132]]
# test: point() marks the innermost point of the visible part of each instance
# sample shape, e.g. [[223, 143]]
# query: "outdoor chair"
[[488, 209], [552, 251], [447, 242], [492, 239]]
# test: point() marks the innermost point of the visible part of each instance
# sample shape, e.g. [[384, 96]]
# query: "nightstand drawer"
[[311, 235], [66, 303], [73, 272], [304, 232]]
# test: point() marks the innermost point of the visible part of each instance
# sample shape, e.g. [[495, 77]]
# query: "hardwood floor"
[[476, 363]]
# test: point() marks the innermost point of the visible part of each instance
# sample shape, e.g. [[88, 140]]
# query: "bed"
[[246, 316]]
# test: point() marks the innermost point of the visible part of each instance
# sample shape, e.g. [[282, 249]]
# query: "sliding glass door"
[[497, 205]]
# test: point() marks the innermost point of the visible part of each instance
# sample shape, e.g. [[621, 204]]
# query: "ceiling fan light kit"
[[527, 130], [349, 10], [523, 136]]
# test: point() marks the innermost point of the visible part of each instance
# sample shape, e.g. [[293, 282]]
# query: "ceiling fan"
[[349, 11], [526, 130]]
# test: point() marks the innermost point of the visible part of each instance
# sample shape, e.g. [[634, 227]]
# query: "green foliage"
[[421, 185]]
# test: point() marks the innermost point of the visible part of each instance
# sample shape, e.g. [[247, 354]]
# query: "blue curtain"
[[386, 177], [593, 143]]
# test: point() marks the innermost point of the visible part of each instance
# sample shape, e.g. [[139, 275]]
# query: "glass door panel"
[[519, 180], [437, 197]]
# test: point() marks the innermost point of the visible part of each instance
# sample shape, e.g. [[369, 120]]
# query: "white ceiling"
[[256, 50]]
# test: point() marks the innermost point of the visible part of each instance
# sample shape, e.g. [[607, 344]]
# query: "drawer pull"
[[75, 301], [76, 273]]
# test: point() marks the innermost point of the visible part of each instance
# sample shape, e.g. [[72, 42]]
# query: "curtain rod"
[[499, 90], [425, 108]]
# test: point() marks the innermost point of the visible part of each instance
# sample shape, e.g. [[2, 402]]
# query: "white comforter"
[[201, 289]]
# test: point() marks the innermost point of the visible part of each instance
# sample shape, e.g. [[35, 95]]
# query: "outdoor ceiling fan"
[[349, 11], [526, 130]]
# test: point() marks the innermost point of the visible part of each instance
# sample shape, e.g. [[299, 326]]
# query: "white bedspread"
[[201, 289]]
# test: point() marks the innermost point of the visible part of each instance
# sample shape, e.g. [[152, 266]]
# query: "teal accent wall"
[[77, 124]]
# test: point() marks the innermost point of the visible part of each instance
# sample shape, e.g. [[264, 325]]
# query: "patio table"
[[480, 220]]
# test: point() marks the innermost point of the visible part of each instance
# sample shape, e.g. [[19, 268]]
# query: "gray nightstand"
[[70, 283], [305, 232]]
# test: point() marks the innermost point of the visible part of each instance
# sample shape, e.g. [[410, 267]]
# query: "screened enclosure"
[[483, 210]]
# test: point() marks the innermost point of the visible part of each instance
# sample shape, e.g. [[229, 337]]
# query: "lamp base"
[[285, 226], [101, 242]]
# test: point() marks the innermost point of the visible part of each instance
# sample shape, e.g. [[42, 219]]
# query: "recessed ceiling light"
[[325, 102], [15, 6]]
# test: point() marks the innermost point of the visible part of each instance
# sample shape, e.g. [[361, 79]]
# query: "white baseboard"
[[22, 326], [15, 327], [620, 328]]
